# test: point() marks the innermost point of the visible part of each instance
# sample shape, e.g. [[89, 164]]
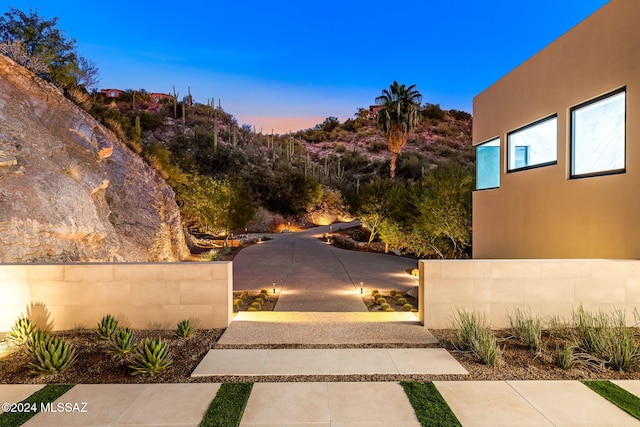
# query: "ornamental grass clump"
[[107, 327], [151, 357], [21, 330], [52, 356], [184, 329], [607, 337], [472, 334], [527, 328], [122, 343]]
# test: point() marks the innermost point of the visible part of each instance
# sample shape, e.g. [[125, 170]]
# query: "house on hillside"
[[159, 97], [374, 109], [111, 93], [558, 147]]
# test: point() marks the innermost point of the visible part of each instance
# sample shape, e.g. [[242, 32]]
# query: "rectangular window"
[[598, 136], [488, 165], [533, 145]]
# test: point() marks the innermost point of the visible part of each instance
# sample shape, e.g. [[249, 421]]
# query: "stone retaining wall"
[[546, 287], [140, 295]]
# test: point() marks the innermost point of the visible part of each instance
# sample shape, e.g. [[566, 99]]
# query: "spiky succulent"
[[36, 338], [184, 329], [151, 357], [21, 330], [52, 356], [107, 327], [122, 343]]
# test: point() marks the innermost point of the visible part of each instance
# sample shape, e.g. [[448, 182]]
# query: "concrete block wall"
[[544, 286], [140, 295]]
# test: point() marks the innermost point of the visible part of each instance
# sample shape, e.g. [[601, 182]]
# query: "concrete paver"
[[14, 393], [328, 404], [132, 404], [435, 361], [571, 403], [489, 403], [304, 328]]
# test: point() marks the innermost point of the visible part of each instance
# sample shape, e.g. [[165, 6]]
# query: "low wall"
[[546, 287], [140, 295]]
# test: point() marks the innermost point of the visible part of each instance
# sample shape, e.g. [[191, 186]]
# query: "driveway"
[[314, 276]]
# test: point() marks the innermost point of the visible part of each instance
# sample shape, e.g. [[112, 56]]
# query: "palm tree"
[[398, 117]]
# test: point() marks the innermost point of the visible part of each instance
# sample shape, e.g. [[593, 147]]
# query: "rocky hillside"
[[69, 190]]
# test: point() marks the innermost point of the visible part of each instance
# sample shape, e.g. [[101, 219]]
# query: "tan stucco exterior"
[[541, 212]]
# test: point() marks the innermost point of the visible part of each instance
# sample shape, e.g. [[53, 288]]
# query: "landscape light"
[[274, 287], [361, 288]]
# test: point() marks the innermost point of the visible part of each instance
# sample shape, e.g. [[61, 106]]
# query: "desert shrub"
[[151, 356], [401, 301], [407, 307], [381, 301], [563, 357], [558, 326], [259, 300], [393, 292], [384, 306], [377, 296], [107, 327], [122, 343], [244, 294], [52, 356], [527, 328], [20, 331], [238, 301], [256, 305], [264, 291], [374, 292], [377, 146], [184, 329]]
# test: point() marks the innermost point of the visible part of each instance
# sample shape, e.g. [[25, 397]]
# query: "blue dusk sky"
[[287, 65]]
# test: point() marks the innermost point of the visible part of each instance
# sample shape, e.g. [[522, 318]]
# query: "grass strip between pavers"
[[33, 404], [429, 405], [227, 408], [615, 394]]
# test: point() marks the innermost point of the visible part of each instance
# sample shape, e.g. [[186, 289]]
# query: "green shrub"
[[238, 301], [384, 306], [259, 300], [151, 357], [256, 305], [21, 330], [407, 307], [184, 329], [377, 296], [244, 295], [264, 291], [122, 343], [381, 301], [527, 328], [563, 357], [393, 292], [52, 356], [398, 296], [401, 301], [107, 327], [374, 292]]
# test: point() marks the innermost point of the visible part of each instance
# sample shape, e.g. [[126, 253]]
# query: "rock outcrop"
[[69, 189]]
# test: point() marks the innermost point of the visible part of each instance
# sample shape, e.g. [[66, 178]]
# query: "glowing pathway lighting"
[[361, 288], [274, 287]]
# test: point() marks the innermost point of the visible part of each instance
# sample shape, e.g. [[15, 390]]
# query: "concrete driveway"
[[314, 276]]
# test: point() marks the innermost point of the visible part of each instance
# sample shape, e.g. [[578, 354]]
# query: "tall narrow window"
[[598, 136], [488, 165], [533, 145]]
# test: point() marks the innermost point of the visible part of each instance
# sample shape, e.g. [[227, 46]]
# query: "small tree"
[[373, 205]]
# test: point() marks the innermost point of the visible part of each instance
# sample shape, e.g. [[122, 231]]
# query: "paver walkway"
[[314, 276], [337, 404]]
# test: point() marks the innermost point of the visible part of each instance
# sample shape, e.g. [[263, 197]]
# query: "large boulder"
[[69, 189]]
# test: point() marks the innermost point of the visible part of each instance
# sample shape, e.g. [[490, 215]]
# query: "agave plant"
[[36, 338], [122, 343], [52, 356], [21, 330], [184, 329], [151, 357], [107, 327]]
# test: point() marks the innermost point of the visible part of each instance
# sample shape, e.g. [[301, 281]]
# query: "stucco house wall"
[[543, 212]]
